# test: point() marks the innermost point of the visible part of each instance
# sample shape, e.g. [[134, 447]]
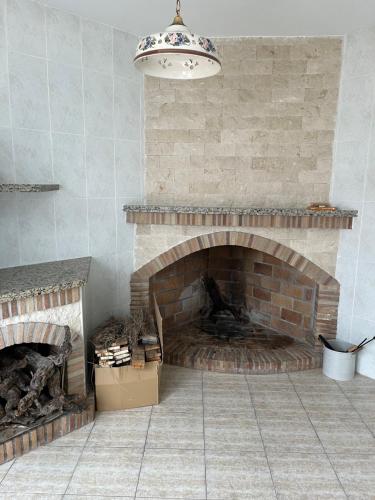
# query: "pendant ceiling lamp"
[[177, 53]]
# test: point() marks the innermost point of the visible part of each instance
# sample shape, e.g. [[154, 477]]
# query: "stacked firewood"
[[117, 354], [132, 340]]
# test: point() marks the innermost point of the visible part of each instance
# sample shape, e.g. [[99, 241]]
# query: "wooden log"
[[138, 357]]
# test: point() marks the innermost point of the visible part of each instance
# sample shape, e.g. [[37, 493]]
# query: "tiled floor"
[[214, 436]]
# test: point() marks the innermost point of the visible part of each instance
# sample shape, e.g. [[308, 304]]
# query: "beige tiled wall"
[[258, 134]]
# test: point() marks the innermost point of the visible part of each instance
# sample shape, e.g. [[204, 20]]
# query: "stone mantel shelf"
[[237, 217], [28, 188], [36, 279]]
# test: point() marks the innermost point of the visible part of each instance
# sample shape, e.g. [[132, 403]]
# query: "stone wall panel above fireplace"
[[258, 134]]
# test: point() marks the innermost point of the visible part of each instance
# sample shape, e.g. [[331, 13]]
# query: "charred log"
[[219, 304], [31, 383]]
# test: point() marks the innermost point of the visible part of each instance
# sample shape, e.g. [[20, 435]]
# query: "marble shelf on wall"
[[28, 188], [36, 279], [237, 217]]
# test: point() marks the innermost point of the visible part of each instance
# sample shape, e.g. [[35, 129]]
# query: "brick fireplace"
[[260, 134], [41, 307], [284, 292]]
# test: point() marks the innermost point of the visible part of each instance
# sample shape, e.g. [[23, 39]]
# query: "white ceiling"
[[230, 17]]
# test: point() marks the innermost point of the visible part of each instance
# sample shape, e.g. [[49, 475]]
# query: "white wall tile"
[[360, 54], [349, 176], [354, 187], [32, 156], [367, 242], [100, 165], [4, 90], [98, 89], [68, 164], [7, 171], [9, 249], [36, 228], [125, 267], [63, 37], [2, 23], [28, 90], [127, 109], [97, 46], [26, 27], [65, 90], [71, 227], [364, 296], [128, 161], [102, 227], [355, 113], [63, 132], [125, 232], [124, 47], [102, 288], [370, 179]]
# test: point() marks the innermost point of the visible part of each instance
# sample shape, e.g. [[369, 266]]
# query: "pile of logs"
[[132, 340], [117, 354], [31, 384]]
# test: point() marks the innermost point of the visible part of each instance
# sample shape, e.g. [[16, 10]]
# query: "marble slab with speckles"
[[36, 279], [28, 188], [239, 211]]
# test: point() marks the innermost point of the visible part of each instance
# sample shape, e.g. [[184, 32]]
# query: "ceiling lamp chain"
[[177, 53]]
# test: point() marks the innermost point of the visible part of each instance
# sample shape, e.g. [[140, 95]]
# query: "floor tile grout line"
[[79, 458], [317, 435], [143, 453], [355, 409], [204, 437], [261, 437], [5, 475]]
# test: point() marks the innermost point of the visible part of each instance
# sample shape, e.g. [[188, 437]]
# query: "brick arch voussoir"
[[236, 238]]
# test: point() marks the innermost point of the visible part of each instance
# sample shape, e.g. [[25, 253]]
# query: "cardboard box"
[[126, 387]]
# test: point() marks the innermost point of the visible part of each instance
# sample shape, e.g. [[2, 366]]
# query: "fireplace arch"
[[51, 334], [327, 287]]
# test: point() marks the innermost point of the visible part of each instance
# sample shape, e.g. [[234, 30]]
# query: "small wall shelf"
[[28, 188]]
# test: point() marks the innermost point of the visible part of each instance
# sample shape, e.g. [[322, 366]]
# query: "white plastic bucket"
[[339, 365]]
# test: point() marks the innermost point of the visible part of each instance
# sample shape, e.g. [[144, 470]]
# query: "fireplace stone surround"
[[36, 303], [283, 261]]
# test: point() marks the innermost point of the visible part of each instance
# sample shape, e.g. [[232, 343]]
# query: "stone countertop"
[[36, 279], [28, 188], [296, 212]]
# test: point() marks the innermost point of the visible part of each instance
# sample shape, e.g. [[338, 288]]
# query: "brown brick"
[[170, 283], [301, 279], [285, 327], [171, 309], [270, 259], [220, 274], [168, 296], [282, 300], [292, 290], [268, 308], [253, 279], [261, 294], [191, 276], [260, 268], [303, 307], [270, 283], [282, 274], [307, 322], [308, 294], [291, 316]]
